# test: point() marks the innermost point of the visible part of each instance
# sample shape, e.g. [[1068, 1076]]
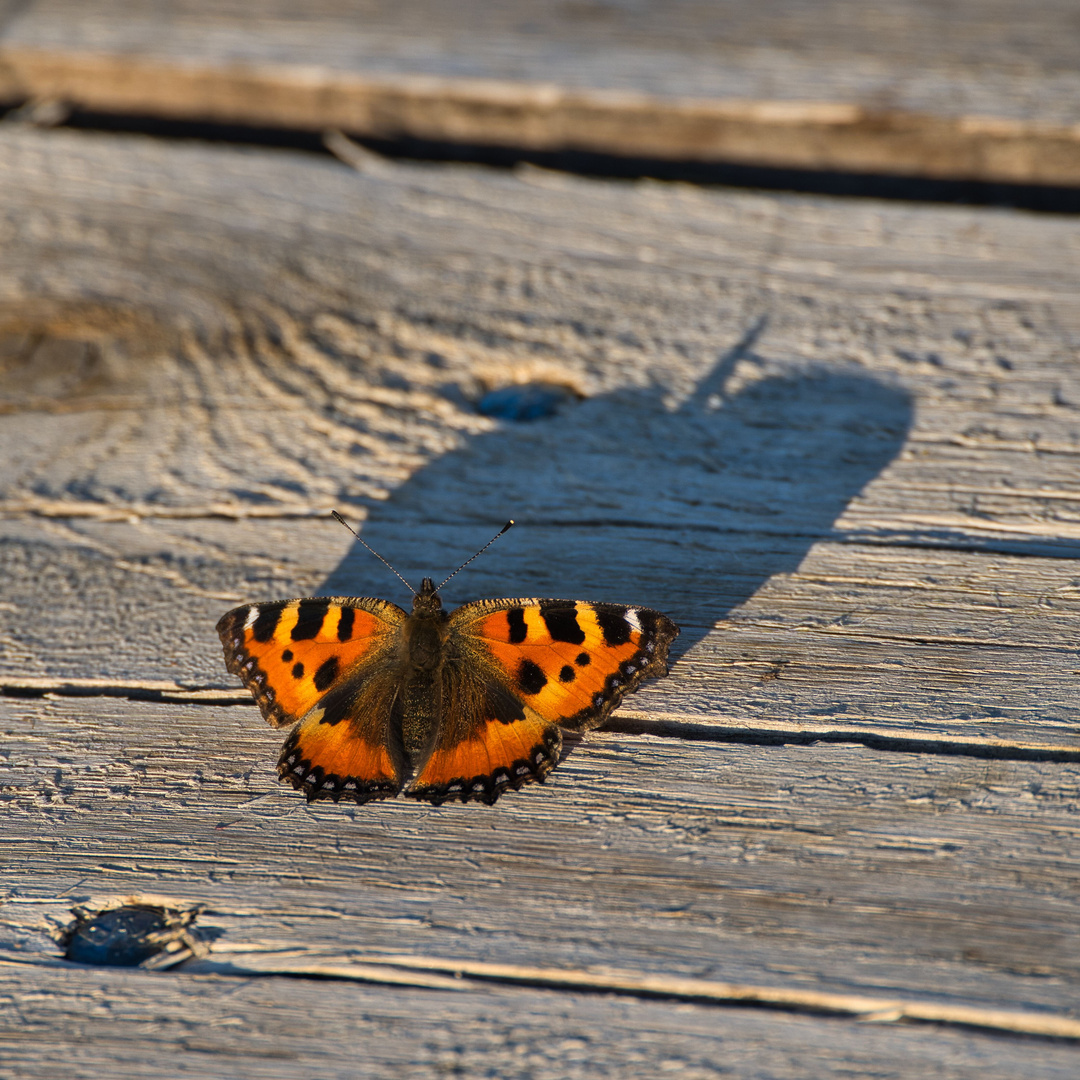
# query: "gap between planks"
[[626, 722], [818, 135]]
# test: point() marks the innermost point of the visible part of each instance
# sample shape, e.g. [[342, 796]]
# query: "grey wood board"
[[677, 82], [204, 348], [86, 1024], [826, 467], [832, 868], [998, 58], [867, 656]]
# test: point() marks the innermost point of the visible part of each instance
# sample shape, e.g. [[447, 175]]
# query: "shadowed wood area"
[[835, 441], [983, 90]]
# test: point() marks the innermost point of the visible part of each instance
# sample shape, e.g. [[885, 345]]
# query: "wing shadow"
[[620, 498]]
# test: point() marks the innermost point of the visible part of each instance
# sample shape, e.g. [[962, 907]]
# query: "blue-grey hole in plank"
[[130, 935], [526, 401]]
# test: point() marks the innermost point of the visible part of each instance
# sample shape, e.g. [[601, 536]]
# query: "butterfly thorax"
[[424, 632], [423, 638], [423, 649]]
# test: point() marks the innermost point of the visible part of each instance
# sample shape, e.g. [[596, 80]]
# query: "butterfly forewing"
[[291, 652], [570, 661]]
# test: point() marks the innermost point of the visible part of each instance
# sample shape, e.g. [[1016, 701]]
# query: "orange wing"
[[290, 652], [569, 660], [348, 746], [324, 661], [488, 741], [519, 670]]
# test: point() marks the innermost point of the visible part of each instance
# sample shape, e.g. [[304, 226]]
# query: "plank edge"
[[815, 135]]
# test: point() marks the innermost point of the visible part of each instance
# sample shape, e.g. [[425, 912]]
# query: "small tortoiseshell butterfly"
[[455, 705]]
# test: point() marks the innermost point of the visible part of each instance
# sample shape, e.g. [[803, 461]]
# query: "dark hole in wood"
[[527, 401], [131, 935]]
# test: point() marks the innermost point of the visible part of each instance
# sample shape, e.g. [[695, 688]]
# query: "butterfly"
[[445, 705]]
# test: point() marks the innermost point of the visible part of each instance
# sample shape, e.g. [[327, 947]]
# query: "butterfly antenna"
[[505, 528], [342, 521]]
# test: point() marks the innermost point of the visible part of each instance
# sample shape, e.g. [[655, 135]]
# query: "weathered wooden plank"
[[836, 442], [969, 90], [926, 655], [331, 350], [831, 868], [88, 1024]]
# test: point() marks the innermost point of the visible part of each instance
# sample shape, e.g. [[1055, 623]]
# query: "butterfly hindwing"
[[291, 652], [348, 746], [488, 740]]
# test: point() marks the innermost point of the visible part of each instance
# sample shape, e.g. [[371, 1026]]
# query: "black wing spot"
[[562, 623], [339, 704], [614, 625], [530, 678], [310, 618], [515, 619], [298, 670], [262, 629], [582, 659], [503, 706], [567, 674], [286, 656], [326, 673], [345, 623]]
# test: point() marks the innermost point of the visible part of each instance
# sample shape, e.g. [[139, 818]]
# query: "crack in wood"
[[133, 690], [765, 734], [463, 975], [760, 733], [1039, 546], [440, 974], [59, 508], [906, 639]]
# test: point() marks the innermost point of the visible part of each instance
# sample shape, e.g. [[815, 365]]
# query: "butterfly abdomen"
[[421, 699], [422, 654]]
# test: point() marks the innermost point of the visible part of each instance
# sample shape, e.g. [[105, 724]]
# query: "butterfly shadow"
[[687, 509]]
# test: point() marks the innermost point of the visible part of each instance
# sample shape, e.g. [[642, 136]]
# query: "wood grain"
[[831, 868], [835, 441], [909, 509], [969, 90], [268, 1028]]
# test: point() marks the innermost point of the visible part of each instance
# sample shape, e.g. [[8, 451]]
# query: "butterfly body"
[[445, 705]]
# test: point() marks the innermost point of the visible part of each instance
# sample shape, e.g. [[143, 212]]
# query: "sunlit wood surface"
[[984, 90], [836, 441]]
